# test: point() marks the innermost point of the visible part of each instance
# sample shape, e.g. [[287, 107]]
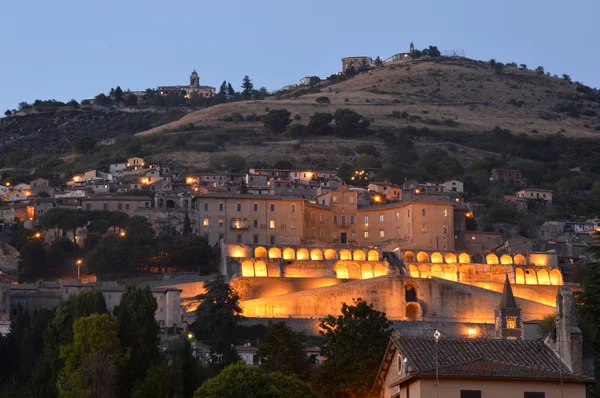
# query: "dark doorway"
[[343, 237]]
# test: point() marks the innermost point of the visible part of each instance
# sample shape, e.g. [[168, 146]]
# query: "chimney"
[[569, 339]]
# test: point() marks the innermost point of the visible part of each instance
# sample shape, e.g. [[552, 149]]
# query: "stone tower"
[[412, 48], [194, 79], [509, 320]]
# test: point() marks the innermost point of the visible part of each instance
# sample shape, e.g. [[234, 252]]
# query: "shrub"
[[277, 120], [322, 100], [295, 130], [253, 117], [369, 149]]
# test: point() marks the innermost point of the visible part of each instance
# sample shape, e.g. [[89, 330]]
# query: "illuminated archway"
[[247, 268], [519, 276], [330, 254], [556, 277], [543, 277], [422, 257], [354, 271], [467, 273], [520, 259], [366, 271], [413, 312], [379, 270], [260, 252], [491, 259], [450, 272], [359, 255], [477, 259], [413, 271], [409, 257], [425, 271], [506, 259], [302, 254], [341, 271], [530, 277], [289, 254], [274, 252], [437, 258], [273, 270], [450, 258], [464, 258], [316, 255], [345, 255], [437, 271], [372, 255], [260, 269]]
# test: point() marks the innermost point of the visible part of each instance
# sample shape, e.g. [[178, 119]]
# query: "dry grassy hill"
[[442, 94]]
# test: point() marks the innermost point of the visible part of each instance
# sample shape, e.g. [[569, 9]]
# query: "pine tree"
[[247, 87], [187, 227], [223, 88], [230, 90]]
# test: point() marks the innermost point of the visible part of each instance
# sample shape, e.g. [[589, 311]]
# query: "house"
[[40, 185], [22, 187], [454, 186], [135, 163], [543, 195], [482, 241], [392, 192], [18, 196], [115, 168], [288, 87], [430, 366], [506, 175], [519, 203], [193, 89], [356, 62], [305, 81]]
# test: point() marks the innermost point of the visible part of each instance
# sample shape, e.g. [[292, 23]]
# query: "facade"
[[305, 81], [507, 175], [356, 62], [392, 192], [543, 195], [194, 88], [454, 186], [480, 241]]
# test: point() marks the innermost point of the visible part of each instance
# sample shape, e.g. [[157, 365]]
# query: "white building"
[[454, 186]]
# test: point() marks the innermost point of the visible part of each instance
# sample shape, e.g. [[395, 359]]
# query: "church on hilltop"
[[194, 88]]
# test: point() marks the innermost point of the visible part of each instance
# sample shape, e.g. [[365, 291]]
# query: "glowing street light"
[[190, 335], [37, 235], [122, 234], [78, 262], [7, 183]]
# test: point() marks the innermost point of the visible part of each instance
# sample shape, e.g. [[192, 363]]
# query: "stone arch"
[[519, 276], [409, 257], [372, 255], [359, 255], [520, 259], [302, 254], [273, 270], [274, 252], [413, 271], [506, 259], [530, 277], [260, 269], [437, 271], [450, 258], [477, 259], [556, 277], [543, 277], [247, 268], [341, 271], [422, 257], [410, 292], [316, 255], [464, 258], [366, 271], [379, 270], [232, 268], [467, 273], [330, 254], [425, 271], [260, 252], [437, 258], [345, 254], [170, 204], [289, 254], [354, 271], [450, 272], [413, 312], [491, 259]]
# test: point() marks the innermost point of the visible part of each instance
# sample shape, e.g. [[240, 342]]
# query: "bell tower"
[[509, 317], [194, 79], [412, 48]]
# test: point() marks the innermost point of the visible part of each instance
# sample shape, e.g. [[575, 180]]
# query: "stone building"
[[356, 62], [194, 88]]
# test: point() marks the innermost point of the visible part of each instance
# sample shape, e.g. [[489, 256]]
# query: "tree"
[[364, 65], [539, 70], [282, 351], [102, 100], [84, 145], [187, 226], [566, 77], [247, 87], [155, 384], [217, 317], [138, 332], [354, 344], [132, 100], [109, 257], [7, 112], [192, 253], [33, 262], [74, 307], [253, 382], [117, 219], [320, 124], [523, 66], [92, 361], [350, 70], [230, 91], [223, 88], [243, 188], [73, 103], [276, 120], [378, 62], [118, 94], [349, 123]]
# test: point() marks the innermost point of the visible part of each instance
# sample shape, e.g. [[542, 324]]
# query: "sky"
[[63, 49]]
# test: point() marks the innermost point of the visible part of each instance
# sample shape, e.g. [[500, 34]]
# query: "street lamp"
[[79, 262], [190, 335], [122, 234], [37, 235]]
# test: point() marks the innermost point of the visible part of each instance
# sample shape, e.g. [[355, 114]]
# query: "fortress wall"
[[309, 269], [255, 288], [544, 294]]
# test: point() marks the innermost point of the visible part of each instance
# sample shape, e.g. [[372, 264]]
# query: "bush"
[[322, 100], [400, 115], [369, 149], [320, 124], [295, 130], [253, 117], [348, 123], [277, 120]]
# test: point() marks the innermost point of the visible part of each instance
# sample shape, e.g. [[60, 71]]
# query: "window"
[[423, 212], [397, 216], [88, 206], [238, 238], [293, 208], [255, 238], [424, 228], [272, 239], [238, 207], [127, 206], [272, 206], [343, 220], [221, 221], [205, 206], [221, 206], [334, 199], [293, 224], [221, 236], [335, 220], [352, 199], [366, 220], [528, 394], [312, 216], [351, 219], [120, 206], [445, 229], [472, 238], [408, 212], [255, 206], [445, 212], [511, 322], [206, 222], [366, 234], [272, 224], [381, 218], [255, 223], [382, 234], [470, 393], [321, 218], [321, 234], [207, 237]]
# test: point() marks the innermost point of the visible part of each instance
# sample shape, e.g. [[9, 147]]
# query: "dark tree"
[[33, 262], [187, 226], [223, 88], [350, 70], [320, 124], [74, 307], [102, 100], [282, 351], [230, 90], [348, 123], [354, 345], [85, 144], [276, 120], [247, 87], [7, 112], [378, 62], [131, 100]]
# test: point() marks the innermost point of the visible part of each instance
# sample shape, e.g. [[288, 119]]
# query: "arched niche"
[[437, 258], [274, 252], [413, 271], [556, 277], [437, 271], [424, 271], [247, 268], [409, 257], [410, 293], [476, 259], [260, 252], [302, 254], [450, 258], [289, 254], [359, 255], [366, 271], [273, 270], [519, 276], [260, 269], [450, 272], [341, 271], [467, 273], [316, 255], [531, 277], [422, 257], [506, 259], [464, 258], [345, 254], [379, 270], [413, 312], [354, 271], [330, 254], [520, 260], [491, 259], [373, 255], [543, 277]]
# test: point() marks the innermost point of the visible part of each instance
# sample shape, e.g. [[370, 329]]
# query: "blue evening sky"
[[67, 49]]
